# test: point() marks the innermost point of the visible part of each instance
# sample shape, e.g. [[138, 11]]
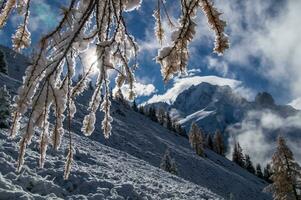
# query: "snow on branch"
[[173, 58], [217, 25], [47, 87]]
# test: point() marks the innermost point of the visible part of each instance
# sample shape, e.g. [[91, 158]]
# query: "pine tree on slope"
[[161, 116], [259, 171], [209, 142], [218, 143], [267, 173], [152, 114], [168, 121], [237, 155], [286, 173], [196, 139], [168, 164], [135, 108], [4, 107], [249, 165], [3, 63]]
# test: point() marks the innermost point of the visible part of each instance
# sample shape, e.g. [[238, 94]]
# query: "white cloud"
[[273, 36], [182, 84], [258, 131], [296, 103], [193, 71], [220, 66], [139, 89]]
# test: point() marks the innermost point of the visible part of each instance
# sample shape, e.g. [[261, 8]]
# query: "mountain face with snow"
[[126, 166], [215, 107]]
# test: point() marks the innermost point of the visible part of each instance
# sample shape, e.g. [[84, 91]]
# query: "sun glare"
[[90, 59]]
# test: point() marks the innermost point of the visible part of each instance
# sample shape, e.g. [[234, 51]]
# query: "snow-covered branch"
[[47, 86]]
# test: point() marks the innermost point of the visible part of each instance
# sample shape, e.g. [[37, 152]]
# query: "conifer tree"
[[209, 142], [134, 106], [141, 110], [168, 121], [249, 165], [3, 63], [181, 131], [152, 114], [5, 105], [168, 164], [218, 144], [259, 171], [196, 139], [267, 173], [161, 116], [286, 173], [237, 155]]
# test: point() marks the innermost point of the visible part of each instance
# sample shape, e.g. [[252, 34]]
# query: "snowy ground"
[[98, 172]]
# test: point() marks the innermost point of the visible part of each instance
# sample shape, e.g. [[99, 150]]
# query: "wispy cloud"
[[257, 134], [268, 31], [140, 89], [182, 84]]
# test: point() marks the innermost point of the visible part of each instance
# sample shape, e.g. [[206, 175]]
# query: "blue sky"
[[265, 41]]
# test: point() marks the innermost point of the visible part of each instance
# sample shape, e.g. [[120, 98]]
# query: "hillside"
[[127, 163]]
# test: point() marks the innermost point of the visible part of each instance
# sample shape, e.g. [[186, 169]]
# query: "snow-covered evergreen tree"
[[3, 63], [218, 143], [5, 105], [237, 155], [196, 139], [249, 165], [286, 173], [168, 164]]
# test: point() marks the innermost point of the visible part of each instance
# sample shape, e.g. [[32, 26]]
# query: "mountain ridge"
[[225, 107]]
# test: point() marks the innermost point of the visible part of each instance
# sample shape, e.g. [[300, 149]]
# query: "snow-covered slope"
[[129, 167], [98, 172]]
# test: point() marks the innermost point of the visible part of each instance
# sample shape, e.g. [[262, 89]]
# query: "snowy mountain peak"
[[215, 107], [182, 84]]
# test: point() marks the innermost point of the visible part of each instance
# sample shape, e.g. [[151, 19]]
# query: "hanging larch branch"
[[47, 86]]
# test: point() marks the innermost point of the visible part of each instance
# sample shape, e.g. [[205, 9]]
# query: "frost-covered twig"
[[21, 39], [6, 8], [47, 84], [173, 58], [217, 25]]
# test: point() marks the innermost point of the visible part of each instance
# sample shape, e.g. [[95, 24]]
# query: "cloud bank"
[[269, 33], [181, 84], [140, 89], [257, 134]]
